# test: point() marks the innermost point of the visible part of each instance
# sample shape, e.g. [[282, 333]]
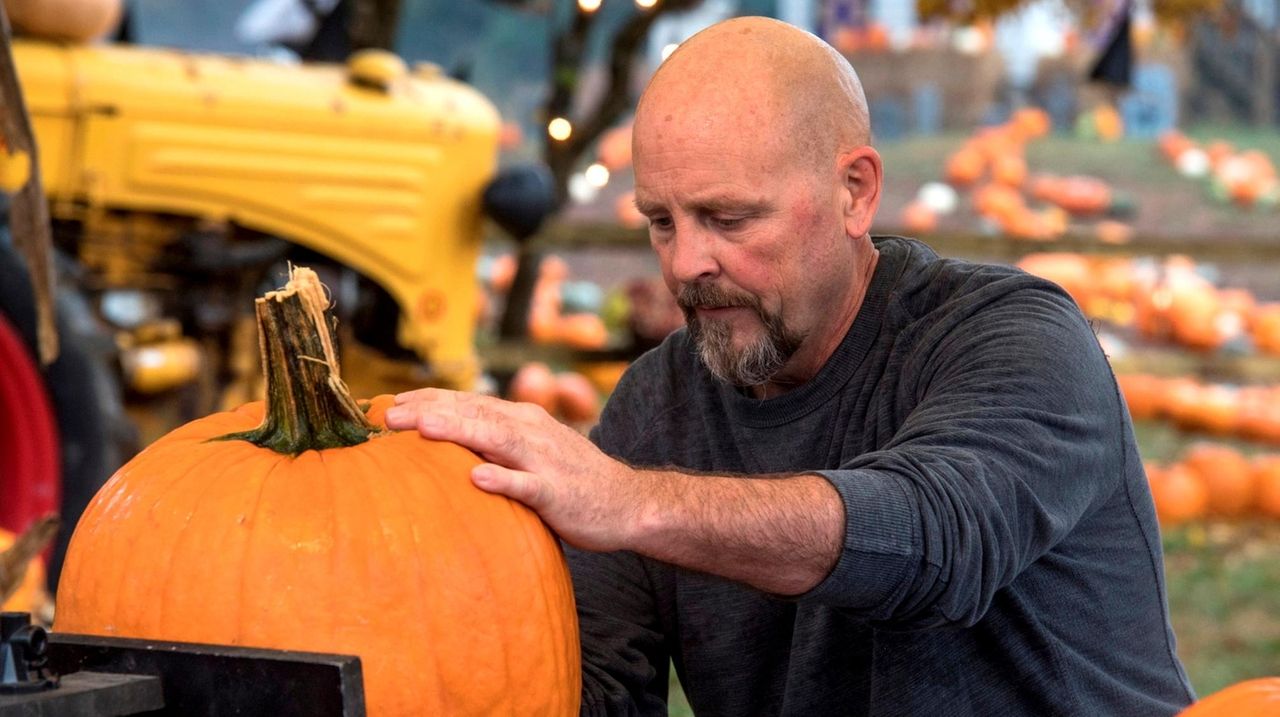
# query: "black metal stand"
[[109, 676]]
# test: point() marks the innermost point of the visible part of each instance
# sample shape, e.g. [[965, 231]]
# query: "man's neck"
[[806, 363]]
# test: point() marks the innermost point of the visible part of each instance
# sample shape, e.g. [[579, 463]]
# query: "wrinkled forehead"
[[729, 117]]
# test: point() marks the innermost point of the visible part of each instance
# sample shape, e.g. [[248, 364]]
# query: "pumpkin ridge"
[[184, 531], [334, 572], [526, 532], [421, 608], [125, 566], [249, 541], [486, 568]]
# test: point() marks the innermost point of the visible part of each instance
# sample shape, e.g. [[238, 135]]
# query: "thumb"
[[528, 488]]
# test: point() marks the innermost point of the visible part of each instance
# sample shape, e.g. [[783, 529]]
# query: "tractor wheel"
[[63, 429]]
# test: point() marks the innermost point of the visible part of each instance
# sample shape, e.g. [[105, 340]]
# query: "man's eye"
[[729, 222], [662, 223]]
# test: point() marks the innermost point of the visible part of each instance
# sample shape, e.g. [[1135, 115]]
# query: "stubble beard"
[[757, 362]]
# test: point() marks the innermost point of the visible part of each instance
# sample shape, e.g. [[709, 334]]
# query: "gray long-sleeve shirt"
[[1001, 555]]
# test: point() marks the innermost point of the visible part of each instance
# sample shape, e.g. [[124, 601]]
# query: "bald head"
[[763, 80]]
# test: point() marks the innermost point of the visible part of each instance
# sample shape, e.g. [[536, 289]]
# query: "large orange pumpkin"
[[322, 531], [1252, 698]]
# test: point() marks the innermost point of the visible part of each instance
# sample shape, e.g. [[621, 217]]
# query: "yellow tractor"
[[180, 184]]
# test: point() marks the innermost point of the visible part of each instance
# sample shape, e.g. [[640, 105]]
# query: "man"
[[865, 480]]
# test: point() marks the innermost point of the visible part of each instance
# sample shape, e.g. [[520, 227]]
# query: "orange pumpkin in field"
[[918, 219], [534, 383], [998, 201], [1226, 475], [624, 208], [576, 398], [1179, 494], [1252, 698], [304, 524], [1031, 122], [1265, 328], [966, 166], [1218, 411], [1173, 143], [1072, 272], [582, 331], [1010, 169], [1143, 393], [1266, 479], [1181, 400], [1082, 196], [1109, 123]]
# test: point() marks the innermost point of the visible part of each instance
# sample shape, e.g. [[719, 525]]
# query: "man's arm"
[[780, 534]]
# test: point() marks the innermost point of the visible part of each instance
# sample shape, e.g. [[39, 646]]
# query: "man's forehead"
[[701, 198]]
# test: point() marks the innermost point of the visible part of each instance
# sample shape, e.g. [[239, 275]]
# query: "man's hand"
[[588, 498], [781, 534]]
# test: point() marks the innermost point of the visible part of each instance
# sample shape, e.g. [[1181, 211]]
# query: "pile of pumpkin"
[[1244, 177], [1245, 412], [562, 312], [1215, 481], [1168, 301], [991, 165]]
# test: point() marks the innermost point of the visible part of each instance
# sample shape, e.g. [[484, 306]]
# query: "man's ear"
[[861, 179]]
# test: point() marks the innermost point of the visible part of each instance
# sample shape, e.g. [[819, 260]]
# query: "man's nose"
[[693, 257]]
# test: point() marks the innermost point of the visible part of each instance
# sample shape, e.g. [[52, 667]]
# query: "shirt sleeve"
[[1015, 434]]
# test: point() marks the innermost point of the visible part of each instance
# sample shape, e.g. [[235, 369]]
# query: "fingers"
[[484, 425], [522, 486], [432, 394]]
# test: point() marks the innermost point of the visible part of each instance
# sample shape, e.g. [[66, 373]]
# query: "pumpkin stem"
[[308, 405]]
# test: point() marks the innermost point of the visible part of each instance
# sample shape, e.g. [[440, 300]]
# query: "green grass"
[[1224, 600]]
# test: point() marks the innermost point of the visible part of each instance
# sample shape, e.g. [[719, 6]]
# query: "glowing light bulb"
[[559, 129], [589, 5], [597, 174], [646, 4]]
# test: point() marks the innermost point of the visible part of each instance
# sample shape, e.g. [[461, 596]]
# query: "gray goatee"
[[755, 363]]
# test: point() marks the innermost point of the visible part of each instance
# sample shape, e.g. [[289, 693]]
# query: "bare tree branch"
[[616, 100]]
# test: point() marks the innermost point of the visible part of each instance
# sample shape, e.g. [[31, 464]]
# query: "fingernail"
[[395, 413], [482, 476]]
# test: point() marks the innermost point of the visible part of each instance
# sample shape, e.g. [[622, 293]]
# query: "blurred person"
[[864, 479]]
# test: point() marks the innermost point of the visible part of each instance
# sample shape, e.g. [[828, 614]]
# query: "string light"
[[559, 129], [646, 4], [597, 174], [589, 5], [668, 49]]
